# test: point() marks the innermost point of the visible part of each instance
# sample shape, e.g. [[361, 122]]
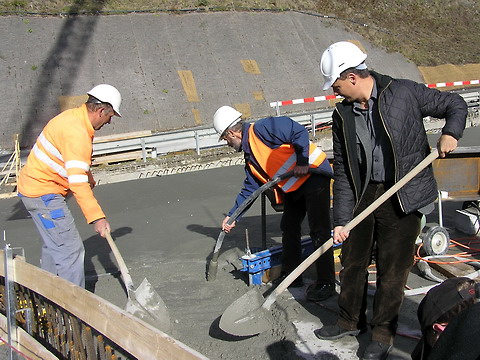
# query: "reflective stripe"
[[77, 164], [78, 179], [314, 155], [277, 161], [290, 182], [49, 162], [49, 147], [286, 165]]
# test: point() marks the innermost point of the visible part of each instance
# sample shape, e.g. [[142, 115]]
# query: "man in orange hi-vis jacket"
[[273, 146], [59, 164]]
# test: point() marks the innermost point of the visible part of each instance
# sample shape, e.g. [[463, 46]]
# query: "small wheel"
[[436, 239]]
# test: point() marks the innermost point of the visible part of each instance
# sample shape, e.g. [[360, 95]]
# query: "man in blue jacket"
[[378, 137], [273, 146]]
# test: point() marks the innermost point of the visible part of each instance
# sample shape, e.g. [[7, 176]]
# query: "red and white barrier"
[[331, 97], [454, 83]]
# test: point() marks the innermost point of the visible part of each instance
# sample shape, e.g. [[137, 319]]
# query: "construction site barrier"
[[276, 104], [46, 317]]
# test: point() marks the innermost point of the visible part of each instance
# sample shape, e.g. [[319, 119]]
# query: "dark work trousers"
[[315, 203], [390, 235]]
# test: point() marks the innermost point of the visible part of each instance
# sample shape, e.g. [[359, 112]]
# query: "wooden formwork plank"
[[132, 334], [124, 136], [26, 344], [451, 270]]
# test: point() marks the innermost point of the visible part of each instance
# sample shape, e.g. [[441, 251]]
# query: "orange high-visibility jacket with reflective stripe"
[[275, 162], [60, 162]]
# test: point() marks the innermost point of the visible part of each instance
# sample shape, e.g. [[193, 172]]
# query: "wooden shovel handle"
[[127, 279], [317, 253]]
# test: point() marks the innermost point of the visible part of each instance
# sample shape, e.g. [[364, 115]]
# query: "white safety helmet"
[[224, 118], [339, 57], [107, 94]]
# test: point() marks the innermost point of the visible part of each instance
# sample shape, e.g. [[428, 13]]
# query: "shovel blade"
[[146, 304], [247, 316]]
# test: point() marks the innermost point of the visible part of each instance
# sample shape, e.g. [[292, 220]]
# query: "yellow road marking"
[[196, 116], [188, 83], [250, 66], [70, 102], [359, 44], [244, 109], [258, 95]]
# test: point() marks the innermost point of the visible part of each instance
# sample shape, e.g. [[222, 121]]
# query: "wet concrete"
[[166, 229]]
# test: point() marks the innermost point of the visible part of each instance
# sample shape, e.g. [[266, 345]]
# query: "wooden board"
[[134, 335], [124, 136], [125, 156], [452, 270], [26, 344]]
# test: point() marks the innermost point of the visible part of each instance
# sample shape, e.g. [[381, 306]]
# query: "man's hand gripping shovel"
[[250, 314]]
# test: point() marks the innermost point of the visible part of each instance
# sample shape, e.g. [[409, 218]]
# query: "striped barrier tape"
[[331, 97]]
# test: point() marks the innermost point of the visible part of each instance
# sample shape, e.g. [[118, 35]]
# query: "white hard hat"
[[107, 94], [339, 57], [224, 118]]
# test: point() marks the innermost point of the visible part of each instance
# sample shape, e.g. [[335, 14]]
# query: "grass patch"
[[428, 32]]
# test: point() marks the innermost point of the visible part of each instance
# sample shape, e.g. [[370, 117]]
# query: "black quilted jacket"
[[402, 106]]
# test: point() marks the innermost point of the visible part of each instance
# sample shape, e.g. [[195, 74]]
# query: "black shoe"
[[298, 282], [333, 332], [320, 292], [376, 351]]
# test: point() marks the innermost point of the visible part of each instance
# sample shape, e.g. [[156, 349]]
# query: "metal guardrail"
[[206, 138]]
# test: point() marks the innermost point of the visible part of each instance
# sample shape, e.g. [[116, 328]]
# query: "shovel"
[[250, 314], [213, 263], [144, 303]]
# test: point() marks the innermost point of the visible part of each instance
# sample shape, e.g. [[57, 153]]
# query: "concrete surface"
[[166, 228], [173, 70]]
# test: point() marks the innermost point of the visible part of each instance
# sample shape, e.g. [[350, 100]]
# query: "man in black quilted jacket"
[[378, 137]]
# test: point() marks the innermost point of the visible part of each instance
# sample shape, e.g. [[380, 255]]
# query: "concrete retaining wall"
[[173, 71]]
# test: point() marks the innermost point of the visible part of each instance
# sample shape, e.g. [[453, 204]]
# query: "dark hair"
[[93, 104], [362, 73], [237, 126]]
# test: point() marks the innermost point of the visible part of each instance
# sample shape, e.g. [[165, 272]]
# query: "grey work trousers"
[[63, 252]]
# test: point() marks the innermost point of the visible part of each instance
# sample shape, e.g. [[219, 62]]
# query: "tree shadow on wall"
[[67, 53]]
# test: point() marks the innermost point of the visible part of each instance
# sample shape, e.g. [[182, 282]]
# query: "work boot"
[[376, 351], [320, 292], [297, 283], [333, 332]]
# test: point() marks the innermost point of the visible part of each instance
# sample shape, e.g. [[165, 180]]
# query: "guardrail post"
[[440, 208], [264, 221], [144, 151], [312, 122], [197, 143], [10, 299]]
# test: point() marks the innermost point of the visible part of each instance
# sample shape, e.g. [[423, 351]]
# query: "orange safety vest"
[[275, 162], [60, 161]]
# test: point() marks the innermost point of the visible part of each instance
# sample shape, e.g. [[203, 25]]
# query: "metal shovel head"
[[146, 304], [246, 316]]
